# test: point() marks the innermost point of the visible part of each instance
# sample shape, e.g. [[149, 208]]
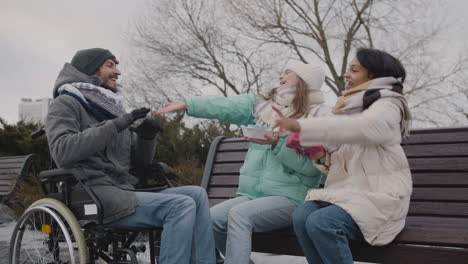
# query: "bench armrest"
[[63, 173]]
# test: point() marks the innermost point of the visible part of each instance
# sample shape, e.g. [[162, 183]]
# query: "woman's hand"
[[286, 123], [269, 140], [172, 107]]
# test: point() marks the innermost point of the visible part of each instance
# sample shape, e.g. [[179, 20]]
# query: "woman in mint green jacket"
[[274, 179]]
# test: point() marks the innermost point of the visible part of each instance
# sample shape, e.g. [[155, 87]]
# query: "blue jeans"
[[234, 221], [184, 214], [323, 231]]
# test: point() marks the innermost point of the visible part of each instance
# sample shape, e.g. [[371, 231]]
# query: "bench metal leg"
[[151, 246]]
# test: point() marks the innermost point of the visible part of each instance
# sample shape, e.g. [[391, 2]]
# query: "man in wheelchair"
[[88, 133]]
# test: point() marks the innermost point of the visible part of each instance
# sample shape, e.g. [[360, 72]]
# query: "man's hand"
[[172, 107], [148, 129], [124, 121], [286, 123], [139, 113]]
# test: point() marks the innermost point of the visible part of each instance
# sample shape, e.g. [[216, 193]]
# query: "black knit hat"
[[88, 61]]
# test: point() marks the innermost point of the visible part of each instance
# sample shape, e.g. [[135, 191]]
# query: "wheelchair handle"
[[38, 133]]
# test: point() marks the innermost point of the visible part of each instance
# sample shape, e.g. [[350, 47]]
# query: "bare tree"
[[187, 47], [232, 47], [329, 31]]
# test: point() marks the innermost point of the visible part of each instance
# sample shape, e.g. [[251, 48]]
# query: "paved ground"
[[6, 227], [259, 258], [5, 233]]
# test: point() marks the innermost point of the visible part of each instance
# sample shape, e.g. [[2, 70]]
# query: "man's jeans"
[[184, 214], [323, 231], [234, 221]]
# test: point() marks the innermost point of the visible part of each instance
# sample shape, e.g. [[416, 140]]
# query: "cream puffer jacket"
[[368, 175]]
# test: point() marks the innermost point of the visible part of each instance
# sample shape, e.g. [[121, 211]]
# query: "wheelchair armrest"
[[57, 174], [68, 176]]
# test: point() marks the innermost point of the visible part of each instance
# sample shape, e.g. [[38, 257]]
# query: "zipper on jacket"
[[259, 187]]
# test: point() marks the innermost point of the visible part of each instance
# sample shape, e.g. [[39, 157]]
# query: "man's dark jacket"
[[94, 150]]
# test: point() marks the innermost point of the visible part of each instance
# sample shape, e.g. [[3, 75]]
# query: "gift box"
[[293, 142]]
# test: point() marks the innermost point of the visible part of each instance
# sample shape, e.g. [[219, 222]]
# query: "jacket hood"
[[70, 74]]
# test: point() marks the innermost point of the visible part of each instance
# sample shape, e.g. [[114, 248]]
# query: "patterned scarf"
[[360, 98], [102, 103], [283, 99]]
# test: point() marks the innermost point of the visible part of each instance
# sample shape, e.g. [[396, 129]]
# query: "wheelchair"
[[67, 226]]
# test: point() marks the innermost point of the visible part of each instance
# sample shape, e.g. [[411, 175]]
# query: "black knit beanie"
[[88, 61]]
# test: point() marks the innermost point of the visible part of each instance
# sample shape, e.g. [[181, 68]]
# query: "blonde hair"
[[300, 101]]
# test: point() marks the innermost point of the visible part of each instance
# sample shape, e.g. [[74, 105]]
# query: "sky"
[[38, 36]]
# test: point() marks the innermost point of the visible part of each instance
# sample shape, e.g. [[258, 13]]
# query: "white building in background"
[[33, 111]]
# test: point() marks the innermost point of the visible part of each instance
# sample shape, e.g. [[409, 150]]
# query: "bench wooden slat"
[[417, 136], [226, 186], [440, 178], [390, 254], [438, 164], [450, 145], [434, 135], [10, 171], [436, 150], [225, 140], [400, 253], [420, 194], [416, 164], [15, 162], [13, 158], [4, 189], [416, 207], [227, 168], [10, 176], [439, 209], [420, 171], [224, 180], [10, 165], [437, 137], [442, 231], [237, 156], [7, 181], [233, 146], [419, 179], [440, 194]]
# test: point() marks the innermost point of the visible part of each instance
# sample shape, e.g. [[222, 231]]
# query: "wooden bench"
[[12, 169], [436, 228]]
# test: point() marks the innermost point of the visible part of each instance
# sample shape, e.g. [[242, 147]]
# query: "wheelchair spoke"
[[45, 238]]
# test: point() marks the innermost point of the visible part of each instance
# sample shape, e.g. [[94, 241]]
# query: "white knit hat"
[[312, 74]]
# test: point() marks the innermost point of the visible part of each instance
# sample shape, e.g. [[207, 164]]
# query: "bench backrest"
[[11, 169], [438, 158]]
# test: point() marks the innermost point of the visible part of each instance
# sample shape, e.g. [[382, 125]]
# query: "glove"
[[139, 113], [124, 121], [148, 129]]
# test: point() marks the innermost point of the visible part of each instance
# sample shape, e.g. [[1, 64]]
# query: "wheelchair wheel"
[[48, 232]]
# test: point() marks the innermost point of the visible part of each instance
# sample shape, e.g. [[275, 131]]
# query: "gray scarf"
[[93, 96]]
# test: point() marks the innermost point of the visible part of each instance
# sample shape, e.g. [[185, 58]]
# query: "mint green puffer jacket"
[[266, 171]]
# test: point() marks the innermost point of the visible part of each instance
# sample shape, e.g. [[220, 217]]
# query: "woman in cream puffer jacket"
[[368, 186]]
